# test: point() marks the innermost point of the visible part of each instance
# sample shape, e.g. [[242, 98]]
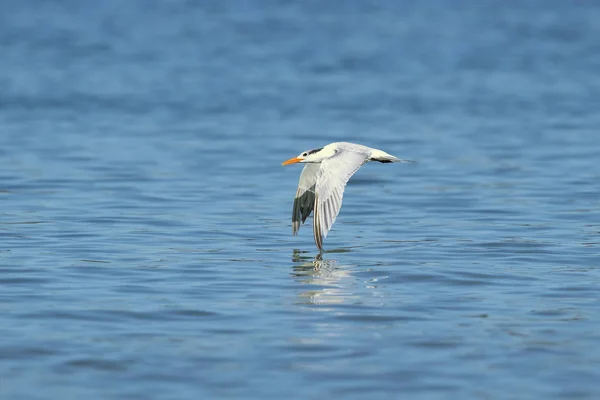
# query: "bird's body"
[[323, 179]]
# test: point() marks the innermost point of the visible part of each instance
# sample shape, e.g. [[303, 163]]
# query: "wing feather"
[[332, 177], [317, 228], [304, 202]]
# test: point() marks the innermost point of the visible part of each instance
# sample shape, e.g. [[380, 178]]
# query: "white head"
[[311, 156]]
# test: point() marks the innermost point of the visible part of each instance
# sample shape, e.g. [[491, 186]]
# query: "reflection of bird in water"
[[323, 179], [312, 263], [319, 272]]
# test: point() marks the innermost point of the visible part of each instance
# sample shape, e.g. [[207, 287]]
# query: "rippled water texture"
[[145, 232]]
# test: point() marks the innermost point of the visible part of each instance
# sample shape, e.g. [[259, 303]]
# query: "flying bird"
[[323, 179]]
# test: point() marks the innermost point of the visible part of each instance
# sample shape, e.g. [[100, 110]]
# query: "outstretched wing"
[[331, 181], [304, 202]]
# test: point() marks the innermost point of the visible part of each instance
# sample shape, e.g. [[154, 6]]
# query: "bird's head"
[[308, 156]]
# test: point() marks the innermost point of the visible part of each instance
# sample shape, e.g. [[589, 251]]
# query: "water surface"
[[145, 238]]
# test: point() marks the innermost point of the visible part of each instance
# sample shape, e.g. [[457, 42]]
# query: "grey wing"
[[331, 181], [304, 202]]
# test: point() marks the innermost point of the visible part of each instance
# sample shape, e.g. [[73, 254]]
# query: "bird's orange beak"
[[291, 161]]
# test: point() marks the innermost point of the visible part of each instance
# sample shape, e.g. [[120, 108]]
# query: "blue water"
[[145, 219]]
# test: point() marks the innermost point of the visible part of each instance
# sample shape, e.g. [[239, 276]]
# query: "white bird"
[[323, 179]]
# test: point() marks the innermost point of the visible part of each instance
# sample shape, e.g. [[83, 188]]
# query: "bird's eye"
[[304, 154]]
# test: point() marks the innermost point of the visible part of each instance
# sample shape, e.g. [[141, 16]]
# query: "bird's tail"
[[383, 157]]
